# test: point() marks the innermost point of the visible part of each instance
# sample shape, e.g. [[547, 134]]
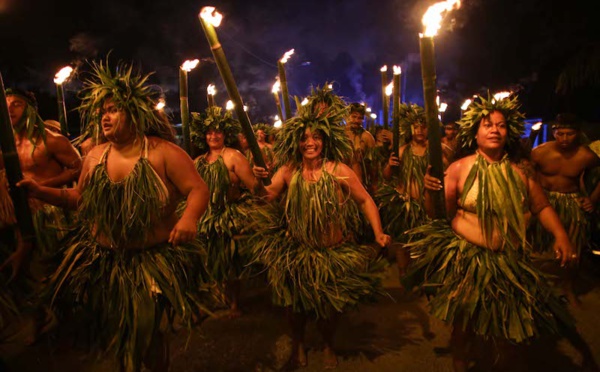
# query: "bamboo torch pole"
[[283, 81], [59, 79], [384, 99], [211, 90], [184, 108], [275, 92], [210, 18]]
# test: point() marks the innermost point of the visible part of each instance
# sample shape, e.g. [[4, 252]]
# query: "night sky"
[[486, 44]]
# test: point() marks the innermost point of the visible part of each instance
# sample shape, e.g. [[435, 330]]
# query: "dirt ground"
[[394, 334]]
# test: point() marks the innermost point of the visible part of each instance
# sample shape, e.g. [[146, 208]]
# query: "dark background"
[[493, 45]]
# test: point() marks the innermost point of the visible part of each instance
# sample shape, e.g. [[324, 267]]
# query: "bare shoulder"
[[538, 152], [589, 157], [402, 148], [56, 141], [368, 138], [338, 169], [233, 154], [161, 145]]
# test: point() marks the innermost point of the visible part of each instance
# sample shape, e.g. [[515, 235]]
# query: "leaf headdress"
[[409, 115], [482, 107], [30, 122], [214, 118], [324, 112], [268, 129], [130, 91]]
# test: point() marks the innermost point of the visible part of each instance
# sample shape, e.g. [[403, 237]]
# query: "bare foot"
[[329, 358]]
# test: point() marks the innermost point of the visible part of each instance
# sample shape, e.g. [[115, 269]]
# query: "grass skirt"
[[314, 280], [497, 294], [399, 212], [123, 293], [573, 218]]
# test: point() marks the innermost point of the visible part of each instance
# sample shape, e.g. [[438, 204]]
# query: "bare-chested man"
[[559, 166], [363, 144]]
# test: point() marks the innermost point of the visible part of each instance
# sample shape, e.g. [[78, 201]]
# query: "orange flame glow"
[[537, 126], [389, 89], [466, 104], [63, 75], [210, 15], [286, 56], [383, 68], [397, 70], [276, 87], [501, 95], [435, 14], [189, 65], [210, 89]]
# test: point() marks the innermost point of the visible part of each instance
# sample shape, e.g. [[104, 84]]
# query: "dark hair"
[[566, 120], [26, 95], [357, 107]]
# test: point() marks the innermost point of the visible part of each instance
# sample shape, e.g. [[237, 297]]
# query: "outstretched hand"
[[31, 185], [260, 172], [383, 240]]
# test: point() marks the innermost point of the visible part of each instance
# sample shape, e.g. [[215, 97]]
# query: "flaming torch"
[[275, 92], [210, 18], [59, 80], [535, 131], [432, 22], [186, 67], [396, 114], [384, 99], [211, 90], [13, 172], [283, 82]]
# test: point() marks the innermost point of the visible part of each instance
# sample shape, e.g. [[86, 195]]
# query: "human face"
[[355, 120], [243, 141], [566, 138], [260, 135], [16, 108], [450, 130], [311, 145], [492, 132], [215, 139], [419, 132], [114, 121]]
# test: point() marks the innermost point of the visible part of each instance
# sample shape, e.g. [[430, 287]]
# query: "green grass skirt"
[[314, 280], [497, 294], [573, 218], [123, 293], [399, 212]]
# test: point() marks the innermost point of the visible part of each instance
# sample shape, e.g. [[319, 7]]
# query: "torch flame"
[[161, 104], [383, 68], [501, 95], [63, 74], [276, 87], [466, 104], [373, 116], [435, 14], [389, 89], [210, 15], [189, 65], [443, 107], [210, 89], [304, 102], [229, 105], [397, 70], [277, 124], [536, 126], [286, 56]]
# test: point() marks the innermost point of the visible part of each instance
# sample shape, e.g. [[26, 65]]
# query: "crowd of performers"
[[132, 232]]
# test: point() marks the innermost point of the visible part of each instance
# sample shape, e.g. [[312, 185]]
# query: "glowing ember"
[[276, 87], [435, 14], [210, 89], [189, 65], [397, 70], [63, 74], [210, 15], [286, 56]]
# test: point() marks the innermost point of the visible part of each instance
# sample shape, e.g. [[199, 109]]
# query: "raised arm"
[[278, 181], [61, 149], [242, 169]]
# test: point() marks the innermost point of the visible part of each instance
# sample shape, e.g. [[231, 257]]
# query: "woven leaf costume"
[[107, 270], [498, 294], [309, 268]]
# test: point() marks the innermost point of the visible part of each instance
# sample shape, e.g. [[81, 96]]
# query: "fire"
[[389, 89], [229, 105], [397, 70], [536, 126], [383, 68], [189, 65], [277, 123], [276, 87], [501, 95], [373, 116], [210, 89], [210, 15], [161, 104], [286, 56], [63, 74], [304, 102], [466, 104], [435, 14], [443, 107]]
